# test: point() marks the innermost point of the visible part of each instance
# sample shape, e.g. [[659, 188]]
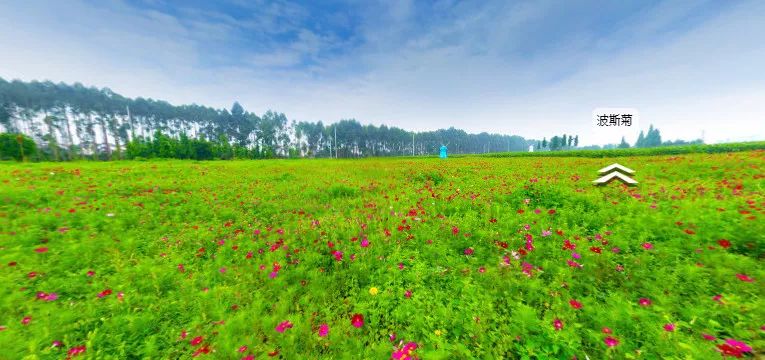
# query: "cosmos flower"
[[558, 324], [284, 325], [408, 294], [468, 251], [669, 327], [575, 304], [611, 341], [647, 246], [196, 341], [644, 302], [357, 320], [323, 330], [364, 242], [744, 277]]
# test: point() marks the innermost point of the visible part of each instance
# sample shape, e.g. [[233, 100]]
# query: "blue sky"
[[529, 68]]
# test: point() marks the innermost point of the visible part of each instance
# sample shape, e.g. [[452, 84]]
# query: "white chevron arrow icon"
[[614, 171]]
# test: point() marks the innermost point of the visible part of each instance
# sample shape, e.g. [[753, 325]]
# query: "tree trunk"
[[106, 138]]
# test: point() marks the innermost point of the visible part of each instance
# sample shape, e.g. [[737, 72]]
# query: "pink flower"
[[242, 349], [323, 330], [575, 304], [222, 270], [481, 269], [670, 327], [408, 294], [273, 274], [546, 233], [401, 266], [455, 230], [26, 320], [284, 325], [405, 352], [56, 343], [77, 350], [644, 302], [619, 267], [744, 277], [468, 251], [338, 255], [249, 357], [392, 337], [364, 242], [558, 324], [91, 273], [647, 246], [611, 341], [357, 320], [738, 345], [708, 337], [196, 341], [576, 255], [717, 298]]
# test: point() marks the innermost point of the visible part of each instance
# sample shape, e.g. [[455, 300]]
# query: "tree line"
[[76, 122]]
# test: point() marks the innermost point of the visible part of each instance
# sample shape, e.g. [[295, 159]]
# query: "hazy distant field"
[[363, 259]]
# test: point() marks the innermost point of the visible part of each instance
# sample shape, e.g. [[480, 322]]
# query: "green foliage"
[[186, 249], [17, 147]]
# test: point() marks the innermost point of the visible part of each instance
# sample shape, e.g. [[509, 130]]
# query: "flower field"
[[402, 258]]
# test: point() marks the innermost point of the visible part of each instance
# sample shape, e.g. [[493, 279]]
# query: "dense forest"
[[75, 121]]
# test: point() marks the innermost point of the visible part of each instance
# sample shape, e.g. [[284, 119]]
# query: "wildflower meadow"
[[402, 258]]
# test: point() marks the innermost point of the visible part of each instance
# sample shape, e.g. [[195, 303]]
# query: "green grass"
[[171, 240]]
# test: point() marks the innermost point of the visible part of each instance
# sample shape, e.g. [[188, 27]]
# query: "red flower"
[[728, 350], [644, 302], [595, 249], [41, 250], [575, 304], [357, 320], [558, 324], [744, 277], [455, 230], [724, 243], [611, 341], [196, 341]]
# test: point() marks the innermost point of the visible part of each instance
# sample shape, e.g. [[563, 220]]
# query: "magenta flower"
[[744, 277], [284, 325], [401, 266], [647, 246], [558, 324], [338, 255], [644, 302], [576, 255], [364, 242], [323, 330], [408, 294], [708, 337], [738, 345], [242, 348], [611, 341], [405, 352], [26, 320], [273, 274], [468, 251], [357, 320], [670, 327]]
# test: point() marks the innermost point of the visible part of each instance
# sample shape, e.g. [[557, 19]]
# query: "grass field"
[[379, 258]]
